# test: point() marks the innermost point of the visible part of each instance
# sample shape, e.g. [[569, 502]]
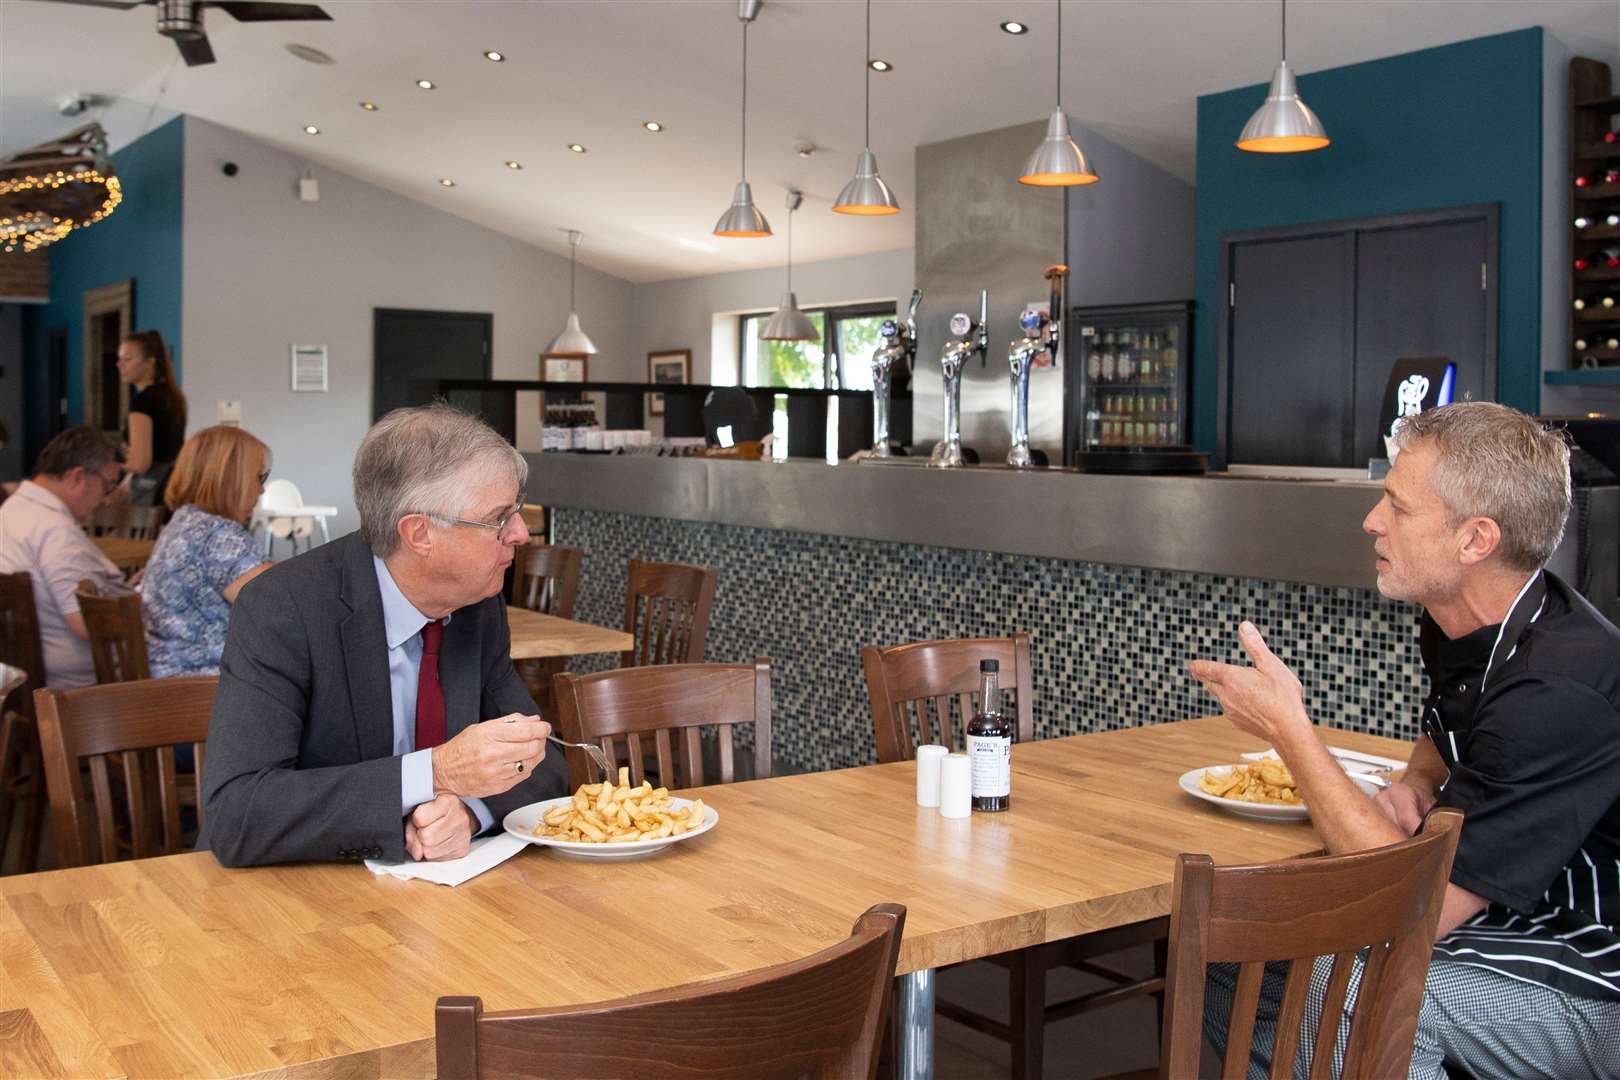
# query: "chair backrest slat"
[[117, 634], [666, 610], [939, 679], [1386, 901], [819, 1018], [545, 578], [19, 637], [127, 522], [679, 699], [130, 724]]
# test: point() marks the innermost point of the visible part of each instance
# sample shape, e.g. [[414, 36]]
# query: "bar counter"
[[1305, 531]]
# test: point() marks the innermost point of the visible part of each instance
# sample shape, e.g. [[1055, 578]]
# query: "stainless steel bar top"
[[1305, 531]]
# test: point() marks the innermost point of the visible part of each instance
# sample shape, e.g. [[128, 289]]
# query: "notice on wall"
[[309, 369]]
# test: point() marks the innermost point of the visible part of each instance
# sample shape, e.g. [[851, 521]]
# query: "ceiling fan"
[[182, 20]]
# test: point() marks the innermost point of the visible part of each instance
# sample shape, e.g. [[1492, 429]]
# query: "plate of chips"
[[1262, 789], [612, 821]]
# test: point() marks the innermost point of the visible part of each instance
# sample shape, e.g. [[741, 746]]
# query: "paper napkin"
[[486, 854]]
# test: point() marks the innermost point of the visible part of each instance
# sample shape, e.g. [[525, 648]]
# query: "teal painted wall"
[[139, 240], [1442, 127]]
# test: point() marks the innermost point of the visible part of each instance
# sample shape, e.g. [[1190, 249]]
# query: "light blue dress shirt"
[[402, 624]]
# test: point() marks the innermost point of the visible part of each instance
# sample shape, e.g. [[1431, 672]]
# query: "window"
[[842, 358]]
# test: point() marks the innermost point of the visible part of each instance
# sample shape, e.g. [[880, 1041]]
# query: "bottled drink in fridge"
[[989, 744]]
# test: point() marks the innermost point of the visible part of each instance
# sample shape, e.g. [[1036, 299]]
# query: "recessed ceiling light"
[[491, 54], [882, 65], [1014, 27], [369, 106], [311, 129], [576, 148], [447, 182], [514, 164], [309, 53], [425, 84], [652, 125]]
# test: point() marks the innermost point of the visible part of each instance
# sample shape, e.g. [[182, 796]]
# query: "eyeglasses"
[[499, 524], [110, 486], [265, 475]]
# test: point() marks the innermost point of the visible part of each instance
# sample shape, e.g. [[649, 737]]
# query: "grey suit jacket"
[[300, 762]]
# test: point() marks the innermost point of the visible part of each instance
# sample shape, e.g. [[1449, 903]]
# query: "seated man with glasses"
[[367, 703], [42, 534], [1521, 733]]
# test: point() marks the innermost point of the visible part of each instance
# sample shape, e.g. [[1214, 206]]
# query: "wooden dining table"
[[126, 554], [178, 967], [536, 635]]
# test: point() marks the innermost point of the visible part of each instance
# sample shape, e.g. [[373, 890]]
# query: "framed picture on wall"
[[564, 367], [672, 366]]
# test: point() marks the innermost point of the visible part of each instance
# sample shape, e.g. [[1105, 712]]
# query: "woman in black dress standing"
[[157, 415]]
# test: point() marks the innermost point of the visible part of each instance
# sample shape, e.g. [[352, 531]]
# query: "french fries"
[[619, 814], [1266, 781]]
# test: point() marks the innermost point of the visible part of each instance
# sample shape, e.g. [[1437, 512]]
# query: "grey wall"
[[679, 314], [263, 271], [11, 390], [1130, 239]]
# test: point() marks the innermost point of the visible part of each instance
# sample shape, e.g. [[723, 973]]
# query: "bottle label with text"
[[992, 766]]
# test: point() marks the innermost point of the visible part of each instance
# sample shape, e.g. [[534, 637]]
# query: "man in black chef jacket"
[[1521, 733]]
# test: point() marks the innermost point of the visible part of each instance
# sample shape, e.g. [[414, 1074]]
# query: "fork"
[[592, 751]]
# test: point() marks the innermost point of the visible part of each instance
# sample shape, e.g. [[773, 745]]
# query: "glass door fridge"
[[1128, 378]]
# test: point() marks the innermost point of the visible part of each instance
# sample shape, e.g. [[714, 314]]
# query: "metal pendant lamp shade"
[[572, 339], [866, 194], [788, 323], [1283, 124], [742, 218], [1057, 161]]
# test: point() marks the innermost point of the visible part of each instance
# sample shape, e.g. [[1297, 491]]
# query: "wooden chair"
[[917, 685], [117, 633], [136, 724], [1388, 899], [545, 578], [927, 691], [22, 772], [819, 1018], [666, 609], [127, 522], [669, 702]]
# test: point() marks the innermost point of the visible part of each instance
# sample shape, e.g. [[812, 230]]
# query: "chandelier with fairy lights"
[[51, 189]]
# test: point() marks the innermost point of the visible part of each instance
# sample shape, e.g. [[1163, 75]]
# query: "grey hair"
[[416, 461], [1496, 462]]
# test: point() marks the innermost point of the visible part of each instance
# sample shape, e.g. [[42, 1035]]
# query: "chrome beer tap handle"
[[971, 337], [1021, 356], [899, 346]]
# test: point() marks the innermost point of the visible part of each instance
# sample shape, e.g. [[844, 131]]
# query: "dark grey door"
[[1292, 325], [1420, 291], [415, 349]]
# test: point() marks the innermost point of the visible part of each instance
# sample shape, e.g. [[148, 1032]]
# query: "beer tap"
[[1042, 333], [971, 338], [899, 345]]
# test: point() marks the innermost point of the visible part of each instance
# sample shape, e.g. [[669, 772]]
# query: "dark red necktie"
[[429, 694]]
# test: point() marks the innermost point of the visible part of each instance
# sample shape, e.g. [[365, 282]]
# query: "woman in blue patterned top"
[[205, 554]]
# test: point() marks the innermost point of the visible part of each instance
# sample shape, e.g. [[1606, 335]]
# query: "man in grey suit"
[[367, 705]]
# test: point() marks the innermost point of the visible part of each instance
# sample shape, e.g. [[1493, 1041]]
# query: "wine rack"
[[1594, 160]]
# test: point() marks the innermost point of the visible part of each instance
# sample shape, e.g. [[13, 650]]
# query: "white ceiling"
[[590, 71]]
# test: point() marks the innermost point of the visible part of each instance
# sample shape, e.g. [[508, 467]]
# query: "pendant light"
[[789, 323], [866, 194], [1057, 162], [1283, 124], [572, 339], [743, 217]]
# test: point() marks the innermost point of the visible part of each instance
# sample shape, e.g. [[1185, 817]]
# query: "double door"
[[1317, 316]]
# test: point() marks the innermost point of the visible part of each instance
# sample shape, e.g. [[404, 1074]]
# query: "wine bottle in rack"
[[1580, 344], [1584, 262], [1610, 257], [1583, 222], [1586, 180]]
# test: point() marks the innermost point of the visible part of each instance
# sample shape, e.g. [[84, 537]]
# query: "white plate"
[[1262, 811], [521, 822]]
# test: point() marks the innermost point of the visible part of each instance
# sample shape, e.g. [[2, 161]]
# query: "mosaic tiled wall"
[[1110, 643]]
